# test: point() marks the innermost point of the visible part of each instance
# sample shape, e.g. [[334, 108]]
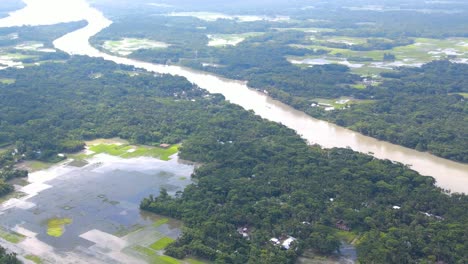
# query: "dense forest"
[[419, 108], [8, 258], [256, 175], [8, 171]]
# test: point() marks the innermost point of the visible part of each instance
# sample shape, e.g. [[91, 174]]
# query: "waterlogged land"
[[213, 16], [22, 46], [93, 210], [371, 62], [126, 46], [222, 40]]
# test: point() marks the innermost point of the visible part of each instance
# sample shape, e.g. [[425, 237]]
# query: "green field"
[[7, 81], [126, 46], [161, 222], [161, 243], [221, 40], [129, 151], [422, 51], [56, 226], [463, 94], [34, 259], [11, 237]]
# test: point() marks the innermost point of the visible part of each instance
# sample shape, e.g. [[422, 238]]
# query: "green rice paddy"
[[422, 51], [11, 237], [129, 151], [161, 243], [56, 226]]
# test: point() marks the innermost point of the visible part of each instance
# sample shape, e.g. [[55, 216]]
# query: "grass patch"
[[161, 243], [78, 163], [161, 222], [7, 81], [126, 46], [346, 236], [11, 195], [194, 261], [56, 226], [423, 50], [34, 259], [128, 151], [359, 86], [165, 260], [221, 40], [144, 250], [123, 231], [11, 237], [463, 94], [35, 165], [154, 152], [155, 258]]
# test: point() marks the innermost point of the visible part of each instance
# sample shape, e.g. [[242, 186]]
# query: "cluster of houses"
[[244, 231], [284, 242]]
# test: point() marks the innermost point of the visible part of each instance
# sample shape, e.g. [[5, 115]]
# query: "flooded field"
[[126, 46], [221, 40], [20, 55], [422, 51], [212, 16], [91, 213]]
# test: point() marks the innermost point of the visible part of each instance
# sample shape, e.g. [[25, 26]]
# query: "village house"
[[342, 225], [164, 145]]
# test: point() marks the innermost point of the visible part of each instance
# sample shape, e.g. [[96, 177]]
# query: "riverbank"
[[448, 174]]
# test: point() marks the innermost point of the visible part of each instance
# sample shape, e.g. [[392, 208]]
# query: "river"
[[448, 174]]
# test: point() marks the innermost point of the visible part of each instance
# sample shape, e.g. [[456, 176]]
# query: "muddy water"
[[449, 174]]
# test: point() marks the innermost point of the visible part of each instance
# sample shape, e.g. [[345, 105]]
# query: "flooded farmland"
[[92, 212]]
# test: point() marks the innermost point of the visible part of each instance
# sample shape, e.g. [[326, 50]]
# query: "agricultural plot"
[[222, 40], [372, 62], [126, 46]]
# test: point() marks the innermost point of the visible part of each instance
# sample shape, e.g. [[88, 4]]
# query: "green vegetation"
[[465, 95], [194, 261], [262, 61], [221, 40], [128, 151], [161, 243], [348, 237], [8, 171], [420, 51], [34, 259], [56, 226], [268, 179], [154, 257], [36, 165], [11, 237], [7, 81], [417, 108], [11, 194], [8, 258], [161, 222], [165, 260], [128, 45]]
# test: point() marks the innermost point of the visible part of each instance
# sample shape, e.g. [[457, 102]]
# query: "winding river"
[[448, 174]]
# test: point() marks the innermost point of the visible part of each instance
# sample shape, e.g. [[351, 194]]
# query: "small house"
[[342, 226], [164, 145]]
